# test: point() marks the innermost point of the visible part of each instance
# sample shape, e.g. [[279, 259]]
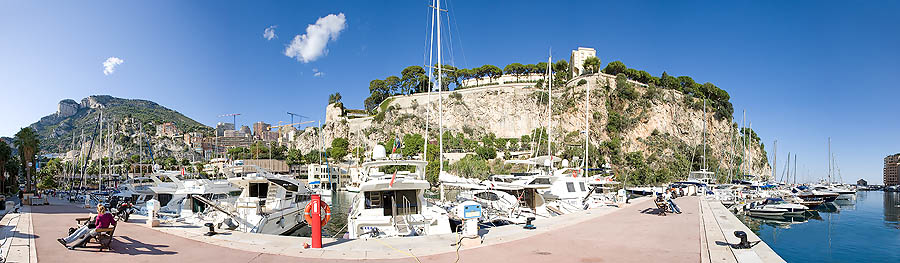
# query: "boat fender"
[[325, 210]]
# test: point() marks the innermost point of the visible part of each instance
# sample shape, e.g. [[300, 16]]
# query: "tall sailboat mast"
[[829, 160], [550, 111], [775, 161], [440, 88], [704, 136], [430, 89], [587, 123]]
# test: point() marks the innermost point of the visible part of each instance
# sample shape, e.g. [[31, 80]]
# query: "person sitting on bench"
[[84, 233]]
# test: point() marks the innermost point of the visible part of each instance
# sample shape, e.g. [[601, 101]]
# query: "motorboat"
[[391, 201], [813, 194], [766, 211], [778, 203], [506, 198], [352, 187], [268, 204]]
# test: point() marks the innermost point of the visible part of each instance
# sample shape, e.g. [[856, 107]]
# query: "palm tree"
[[27, 143], [5, 156]]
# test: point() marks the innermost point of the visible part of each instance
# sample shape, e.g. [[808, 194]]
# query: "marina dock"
[[597, 235]]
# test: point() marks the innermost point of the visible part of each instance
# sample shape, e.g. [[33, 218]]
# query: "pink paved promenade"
[[632, 234]]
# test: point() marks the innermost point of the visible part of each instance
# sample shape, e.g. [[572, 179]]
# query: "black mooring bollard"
[[744, 244]]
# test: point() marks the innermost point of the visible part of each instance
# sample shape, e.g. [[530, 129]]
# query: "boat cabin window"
[[540, 181], [400, 202], [488, 196], [164, 199], [234, 193], [373, 200], [570, 186], [301, 198], [259, 190], [582, 186]]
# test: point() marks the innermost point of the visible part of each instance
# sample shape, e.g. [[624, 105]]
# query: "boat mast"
[[789, 166], [829, 160], [587, 124], [550, 111], [440, 88], [100, 159], [430, 76], [704, 136], [743, 149], [775, 160], [81, 155], [749, 148], [795, 168]]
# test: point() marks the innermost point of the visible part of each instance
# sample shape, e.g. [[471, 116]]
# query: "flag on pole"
[[396, 145], [393, 177]]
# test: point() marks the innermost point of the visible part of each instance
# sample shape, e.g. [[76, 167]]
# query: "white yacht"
[[790, 208], [391, 201], [267, 204]]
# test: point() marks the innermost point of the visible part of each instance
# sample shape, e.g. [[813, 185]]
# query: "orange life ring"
[[574, 173], [325, 209]]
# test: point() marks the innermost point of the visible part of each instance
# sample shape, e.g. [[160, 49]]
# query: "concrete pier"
[[718, 226], [633, 233]]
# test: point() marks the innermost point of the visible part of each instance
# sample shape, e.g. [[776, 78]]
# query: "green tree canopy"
[[591, 65], [339, 148], [27, 142], [615, 67]]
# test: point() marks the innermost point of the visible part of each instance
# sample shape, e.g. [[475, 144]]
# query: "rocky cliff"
[[633, 126], [56, 131]]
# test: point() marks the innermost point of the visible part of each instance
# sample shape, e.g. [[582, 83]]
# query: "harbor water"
[[866, 229]]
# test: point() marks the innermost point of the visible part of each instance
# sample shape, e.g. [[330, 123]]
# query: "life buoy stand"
[[325, 210]]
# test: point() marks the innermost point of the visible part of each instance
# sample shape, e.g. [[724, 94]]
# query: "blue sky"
[[804, 70]]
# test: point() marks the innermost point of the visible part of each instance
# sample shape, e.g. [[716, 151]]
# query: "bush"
[[471, 167], [616, 122], [456, 95], [582, 82], [487, 153]]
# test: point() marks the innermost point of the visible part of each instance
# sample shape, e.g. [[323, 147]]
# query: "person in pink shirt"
[[85, 232]]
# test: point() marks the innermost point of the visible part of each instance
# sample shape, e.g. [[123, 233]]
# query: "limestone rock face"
[[91, 102], [67, 108], [515, 109]]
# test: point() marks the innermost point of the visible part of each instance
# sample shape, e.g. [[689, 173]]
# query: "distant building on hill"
[[166, 130], [194, 139], [234, 133], [222, 127], [862, 182], [259, 129], [576, 62], [891, 163]]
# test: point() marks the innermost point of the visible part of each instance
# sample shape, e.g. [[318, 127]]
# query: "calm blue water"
[[862, 230]]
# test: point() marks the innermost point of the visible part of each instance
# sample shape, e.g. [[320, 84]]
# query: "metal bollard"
[[744, 244]]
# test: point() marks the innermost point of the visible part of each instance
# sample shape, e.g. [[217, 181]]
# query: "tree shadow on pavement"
[[129, 246]]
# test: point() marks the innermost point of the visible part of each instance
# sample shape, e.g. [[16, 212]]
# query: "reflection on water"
[[340, 207], [864, 229], [892, 208]]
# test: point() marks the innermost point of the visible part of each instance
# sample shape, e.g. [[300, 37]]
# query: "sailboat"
[[697, 181]]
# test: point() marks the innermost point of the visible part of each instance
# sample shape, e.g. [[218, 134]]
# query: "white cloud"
[[317, 73], [109, 66], [310, 46], [269, 34]]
